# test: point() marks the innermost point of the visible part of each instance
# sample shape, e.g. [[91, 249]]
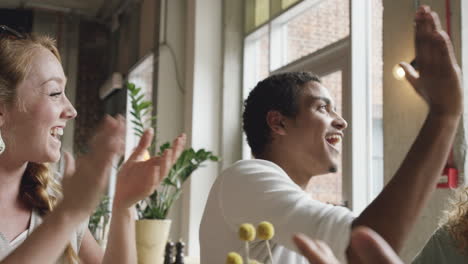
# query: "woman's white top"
[[6, 247]]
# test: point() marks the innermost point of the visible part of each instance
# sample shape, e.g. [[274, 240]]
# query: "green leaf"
[[164, 147], [143, 105], [136, 129], [139, 124], [145, 112], [137, 99], [131, 86], [167, 181], [137, 116]]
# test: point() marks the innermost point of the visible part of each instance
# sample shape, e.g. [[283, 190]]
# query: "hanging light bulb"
[[398, 72]]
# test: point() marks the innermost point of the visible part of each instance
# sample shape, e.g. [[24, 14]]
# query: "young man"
[[293, 131]]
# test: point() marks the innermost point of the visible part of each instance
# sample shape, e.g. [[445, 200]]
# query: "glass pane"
[[262, 11], [314, 28], [377, 101], [256, 64], [328, 188]]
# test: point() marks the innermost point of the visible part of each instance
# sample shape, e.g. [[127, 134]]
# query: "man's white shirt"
[[252, 191]]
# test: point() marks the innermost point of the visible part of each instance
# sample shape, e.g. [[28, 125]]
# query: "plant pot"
[[151, 239]]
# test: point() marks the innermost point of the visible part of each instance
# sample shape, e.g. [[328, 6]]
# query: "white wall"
[[231, 121], [202, 112]]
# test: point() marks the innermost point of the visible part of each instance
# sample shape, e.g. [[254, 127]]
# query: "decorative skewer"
[[234, 258], [266, 231], [247, 234]]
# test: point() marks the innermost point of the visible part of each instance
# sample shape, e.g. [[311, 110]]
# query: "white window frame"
[[361, 114]]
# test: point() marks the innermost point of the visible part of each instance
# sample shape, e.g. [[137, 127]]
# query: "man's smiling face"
[[316, 133]]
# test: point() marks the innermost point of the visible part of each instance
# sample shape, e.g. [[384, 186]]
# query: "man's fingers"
[[435, 21], [423, 33], [143, 144], [410, 73], [371, 248], [427, 25], [445, 49], [70, 165]]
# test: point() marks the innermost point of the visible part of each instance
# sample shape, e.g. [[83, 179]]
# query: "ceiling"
[[101, 9]]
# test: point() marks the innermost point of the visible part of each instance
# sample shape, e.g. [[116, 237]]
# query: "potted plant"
[[152, 212]]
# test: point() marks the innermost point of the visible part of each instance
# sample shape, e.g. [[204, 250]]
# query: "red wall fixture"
[[449, 179]]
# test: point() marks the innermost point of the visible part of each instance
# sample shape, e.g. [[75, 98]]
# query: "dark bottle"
[[179, 258], [169, 253]]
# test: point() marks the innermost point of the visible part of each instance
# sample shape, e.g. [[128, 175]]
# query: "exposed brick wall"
[[324, 24]]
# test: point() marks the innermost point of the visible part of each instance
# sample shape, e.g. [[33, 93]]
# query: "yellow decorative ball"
[[234, 258], [247, 232], [265, 230]]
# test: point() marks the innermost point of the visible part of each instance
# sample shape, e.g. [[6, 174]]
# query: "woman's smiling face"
[[34, 123]]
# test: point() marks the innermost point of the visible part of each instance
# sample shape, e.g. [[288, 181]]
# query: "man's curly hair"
[[280, 92]]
